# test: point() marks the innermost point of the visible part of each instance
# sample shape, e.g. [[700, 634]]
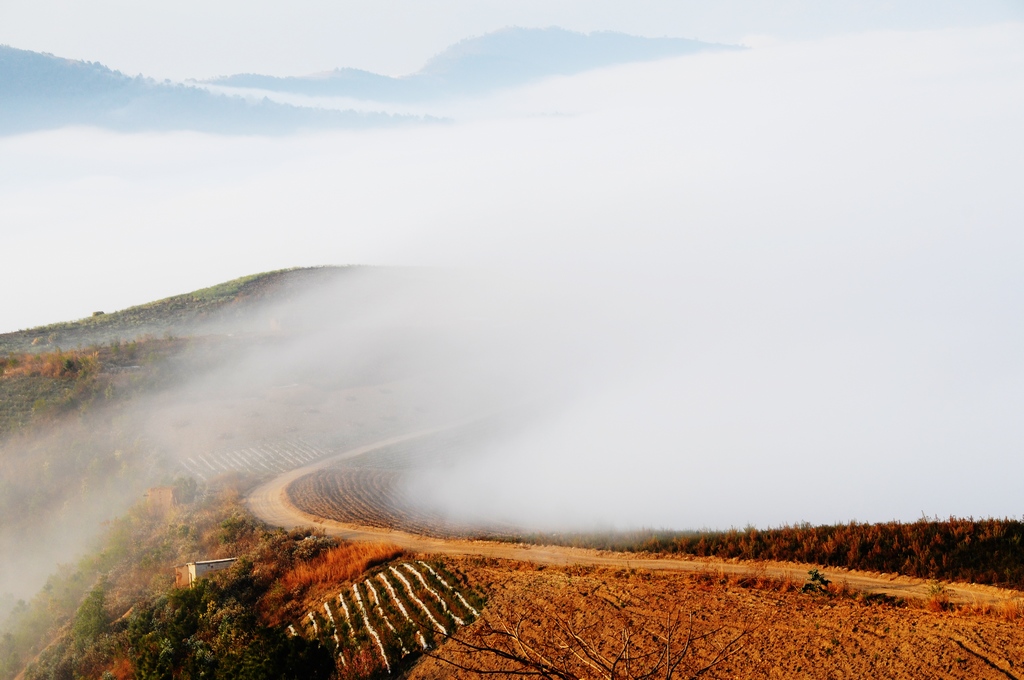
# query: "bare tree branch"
[[571, 646]]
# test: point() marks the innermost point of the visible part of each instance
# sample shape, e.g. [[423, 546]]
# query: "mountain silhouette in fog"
[[41, 91], [513, 56]]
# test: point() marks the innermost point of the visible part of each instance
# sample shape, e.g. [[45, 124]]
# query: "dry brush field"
[[726, 627]]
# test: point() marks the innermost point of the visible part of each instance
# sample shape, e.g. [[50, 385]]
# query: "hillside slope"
[[76, 446], [505, 58], [227, 307], [41, 91]]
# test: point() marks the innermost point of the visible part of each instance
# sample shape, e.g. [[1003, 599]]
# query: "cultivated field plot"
[[20, 397], [369, 490], [367, 497], [393, 614], [271, 457], [743, 627]]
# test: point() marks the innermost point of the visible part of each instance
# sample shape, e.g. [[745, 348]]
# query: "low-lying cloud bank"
[[474, 66], [765, 287]]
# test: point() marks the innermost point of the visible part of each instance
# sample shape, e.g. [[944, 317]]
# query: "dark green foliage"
[[118, 609], [91, 620], [236, 527], [816, 582], [186, 489], [272, 654], [211, 631]]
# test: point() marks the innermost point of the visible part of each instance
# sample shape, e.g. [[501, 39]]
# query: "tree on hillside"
[[91, 619]]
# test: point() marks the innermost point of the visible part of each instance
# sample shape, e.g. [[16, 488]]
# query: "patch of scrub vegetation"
[[989, 551], [178, 315], [68, 439], [37, 387], [116, 613]]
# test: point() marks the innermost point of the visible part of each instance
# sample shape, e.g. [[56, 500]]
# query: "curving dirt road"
[[270, 503]]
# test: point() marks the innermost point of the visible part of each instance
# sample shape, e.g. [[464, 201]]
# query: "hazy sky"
[[897, 132], [804, 257], [198, 39]]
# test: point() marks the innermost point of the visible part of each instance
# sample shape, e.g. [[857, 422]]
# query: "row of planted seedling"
[[268, 457], [400, 609]]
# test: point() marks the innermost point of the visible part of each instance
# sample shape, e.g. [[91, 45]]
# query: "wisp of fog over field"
[[758, 287]]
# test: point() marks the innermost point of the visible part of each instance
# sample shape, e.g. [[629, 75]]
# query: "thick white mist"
[[194, 39], [763, 287]]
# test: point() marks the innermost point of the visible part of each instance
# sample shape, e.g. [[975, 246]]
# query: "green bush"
[[91, 619], [816, 582]]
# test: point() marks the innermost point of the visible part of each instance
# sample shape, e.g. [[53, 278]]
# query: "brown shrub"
[[122, 669], [989, 551], [1013, 610], [339, 564], [51, 364]]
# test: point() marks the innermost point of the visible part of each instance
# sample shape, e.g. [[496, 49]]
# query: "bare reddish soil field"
[[776, 631]]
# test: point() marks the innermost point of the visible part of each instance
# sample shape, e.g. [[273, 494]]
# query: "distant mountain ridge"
[[505, 58], [40, 91]]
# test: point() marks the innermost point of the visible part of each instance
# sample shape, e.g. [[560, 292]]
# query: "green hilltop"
[[177, 315]]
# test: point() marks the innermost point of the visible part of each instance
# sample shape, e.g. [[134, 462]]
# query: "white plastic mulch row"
[[412, 596], [366, 622], [348, 617], [456, 593], [268, 457], [436, 595], [382, 615], [376, 602], [268, 464], [334, 632], [193, 467], [401, 607]]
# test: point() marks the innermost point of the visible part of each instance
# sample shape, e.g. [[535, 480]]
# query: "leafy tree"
[[91, 619]]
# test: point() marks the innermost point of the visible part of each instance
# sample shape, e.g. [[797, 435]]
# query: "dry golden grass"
[[343, 563], [50, 365], [1011, 611]]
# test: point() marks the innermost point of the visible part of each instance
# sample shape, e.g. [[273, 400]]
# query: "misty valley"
[[328, 402], [523, 340]]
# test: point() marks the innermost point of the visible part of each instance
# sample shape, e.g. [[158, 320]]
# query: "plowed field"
[[779, 632], [372, 497], [368, 490], [365, 496]]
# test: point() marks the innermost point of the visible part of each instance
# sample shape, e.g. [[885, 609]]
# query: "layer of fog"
[[193, 39], [764, 287]]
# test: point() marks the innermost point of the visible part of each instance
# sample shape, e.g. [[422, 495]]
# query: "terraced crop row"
[[384, 620], [265, 458], [368, 497]]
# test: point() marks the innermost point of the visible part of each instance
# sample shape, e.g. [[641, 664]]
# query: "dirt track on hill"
[[269, 502]]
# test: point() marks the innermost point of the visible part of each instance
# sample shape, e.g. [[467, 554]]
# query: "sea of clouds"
[[784, 283]]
